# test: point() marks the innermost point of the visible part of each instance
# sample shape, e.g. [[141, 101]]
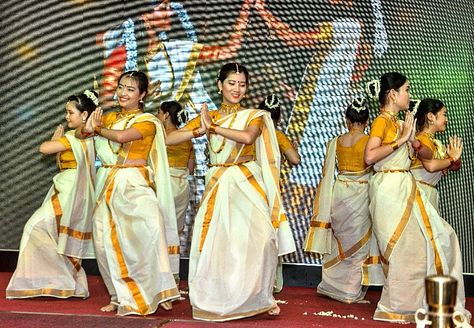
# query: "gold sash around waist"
[[122, 166], [394, 171], [232, 163]]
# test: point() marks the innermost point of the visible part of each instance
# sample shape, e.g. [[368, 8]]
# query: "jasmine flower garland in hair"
[[89, 94], [375, 84], [358, 104]]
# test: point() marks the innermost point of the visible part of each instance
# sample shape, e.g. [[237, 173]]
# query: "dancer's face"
[[73, 115], [402, 97], [440, 120], [128, 93], [233, 88]]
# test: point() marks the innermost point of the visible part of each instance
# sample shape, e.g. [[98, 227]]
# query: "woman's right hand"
[[58, 133], [94, 120], [206, 119], [454, 149], [408, 128]]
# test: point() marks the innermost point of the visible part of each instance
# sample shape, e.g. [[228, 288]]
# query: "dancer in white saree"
[[341, 228], [404, 221], [288, 151], [180, 158], [58, 235], [234, 250], [428, 170], [134, 220]]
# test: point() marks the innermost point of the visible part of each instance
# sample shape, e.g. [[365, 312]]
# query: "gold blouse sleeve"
[[65, 142], [146, 129], [378, 128]]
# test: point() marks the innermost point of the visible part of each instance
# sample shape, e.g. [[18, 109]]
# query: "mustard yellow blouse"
[[351, 159], [137, 149], [66, 159], [248, 150], [385, 128], [283, 142], [179, 155], [427, 142]]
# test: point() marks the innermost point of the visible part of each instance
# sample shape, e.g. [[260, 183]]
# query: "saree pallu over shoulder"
[[234, 250], [75, 226], [158, 161], [58, 234], [319, 236], [135, 226], [408, 230], [340, 230], [441, 235], [268, 158]]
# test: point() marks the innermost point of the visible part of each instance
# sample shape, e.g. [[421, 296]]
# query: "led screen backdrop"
[[314, 54]]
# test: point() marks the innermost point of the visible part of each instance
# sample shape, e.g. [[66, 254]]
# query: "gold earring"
[[220, 91], [84, 120]]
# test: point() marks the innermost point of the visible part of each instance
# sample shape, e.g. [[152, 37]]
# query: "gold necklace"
[[128, 115], [392, 116], [224, 139], [229, 108]]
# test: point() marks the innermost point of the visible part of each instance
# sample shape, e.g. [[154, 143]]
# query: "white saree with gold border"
[[59, 234], [405, 223], [341, 231], [180, 188], [444, 236], [235, 245], [135, 232]]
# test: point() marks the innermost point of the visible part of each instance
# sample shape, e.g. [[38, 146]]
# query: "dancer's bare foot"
[[109, 308], [166, 305], [274, 310]]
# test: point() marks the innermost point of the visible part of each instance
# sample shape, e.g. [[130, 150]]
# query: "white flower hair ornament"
[[373, 89], [358, 104], [416, 104], [89, 94], [182, 118], [272, 101]]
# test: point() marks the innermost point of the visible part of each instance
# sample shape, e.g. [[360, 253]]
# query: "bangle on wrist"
[[97, 129], [196, 133], [83, 133], [212, 128], [394, 145]]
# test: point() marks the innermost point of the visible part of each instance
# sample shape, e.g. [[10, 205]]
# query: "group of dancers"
[[377, 223]]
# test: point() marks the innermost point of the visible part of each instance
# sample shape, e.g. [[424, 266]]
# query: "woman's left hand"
[[96, 118], [206, 119], [58, 133]]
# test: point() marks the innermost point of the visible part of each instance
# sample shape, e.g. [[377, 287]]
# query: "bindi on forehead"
[[128, 83]]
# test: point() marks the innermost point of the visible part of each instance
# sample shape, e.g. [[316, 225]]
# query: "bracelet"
[[196, 133], [84, 134], [394, 145], [97, 129], [212, 128]]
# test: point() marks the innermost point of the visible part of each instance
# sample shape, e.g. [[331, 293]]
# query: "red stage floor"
[[300, 307]]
